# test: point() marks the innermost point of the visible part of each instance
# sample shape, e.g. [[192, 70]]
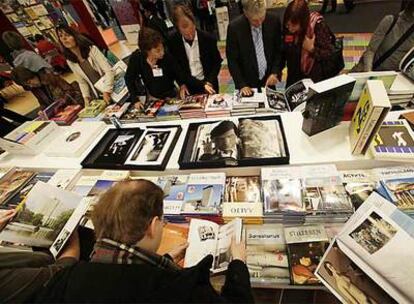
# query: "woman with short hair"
[[87, 63], [154, 68]]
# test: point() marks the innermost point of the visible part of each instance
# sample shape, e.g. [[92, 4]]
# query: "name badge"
[[157, 72]]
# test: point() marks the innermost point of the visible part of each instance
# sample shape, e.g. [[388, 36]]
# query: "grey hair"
[[254, 7]]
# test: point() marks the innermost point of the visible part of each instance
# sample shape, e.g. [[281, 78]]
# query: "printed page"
[[225, 235], [382, 237], [62, 178], [202, 239]]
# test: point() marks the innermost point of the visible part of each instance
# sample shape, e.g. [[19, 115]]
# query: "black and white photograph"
[[57, 245], [117, 149], [152, 148], [206, 233], [373, 233], [229, 140]]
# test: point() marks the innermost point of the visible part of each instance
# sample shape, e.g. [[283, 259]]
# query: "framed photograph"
[[152, 148], [134, 148], [252, 141]]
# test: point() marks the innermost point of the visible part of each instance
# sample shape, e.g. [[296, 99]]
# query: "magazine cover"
[[219, 102], [204, 193], [306, 246], [266, 254], [12, 182], [400, 191], [348, 282], [379, 238], [359, 184], [44, 219], [153, 147]]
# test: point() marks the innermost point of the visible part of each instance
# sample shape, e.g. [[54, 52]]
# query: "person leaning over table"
[[196, 51], [47, 87], [23, 274], [307, 43], [124, 267], [253, 47], [87, 63], [155, 68]]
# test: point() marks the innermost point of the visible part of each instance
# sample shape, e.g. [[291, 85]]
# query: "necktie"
[[260, 55]]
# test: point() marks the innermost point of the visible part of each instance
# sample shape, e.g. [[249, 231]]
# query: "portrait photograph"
[[373, 233], [348, 281], [152, 148]]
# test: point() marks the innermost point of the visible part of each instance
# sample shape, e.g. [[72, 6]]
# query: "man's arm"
[[277, 56], [233, 58], [133, 76], [216, 59]]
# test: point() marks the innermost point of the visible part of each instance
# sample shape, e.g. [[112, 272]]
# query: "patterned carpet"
[[354, 46]]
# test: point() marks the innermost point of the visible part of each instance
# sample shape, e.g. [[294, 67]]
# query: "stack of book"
[[135, 114], [61, 112], [193, 107], [170, 110], [402, 91], [219, 105], [304, 194]]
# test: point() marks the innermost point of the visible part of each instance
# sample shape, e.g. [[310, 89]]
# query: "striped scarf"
[[307, 59], [111, 252]]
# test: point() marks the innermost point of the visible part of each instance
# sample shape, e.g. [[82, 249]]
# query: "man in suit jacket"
[[196, 52], [254, 47]]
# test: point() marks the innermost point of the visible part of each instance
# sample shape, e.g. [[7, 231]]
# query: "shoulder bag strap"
[[400, 41]]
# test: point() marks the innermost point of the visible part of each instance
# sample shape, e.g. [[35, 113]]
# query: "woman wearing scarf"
[[307, 43]]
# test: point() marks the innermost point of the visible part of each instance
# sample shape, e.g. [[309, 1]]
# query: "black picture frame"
[[92, 161], [189, 142]]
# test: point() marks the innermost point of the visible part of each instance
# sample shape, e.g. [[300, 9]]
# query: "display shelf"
[[329, 147]]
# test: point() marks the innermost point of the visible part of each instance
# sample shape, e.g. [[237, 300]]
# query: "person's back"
[[124, 266]]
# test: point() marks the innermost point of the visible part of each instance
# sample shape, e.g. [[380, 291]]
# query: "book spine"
[[365, 135]]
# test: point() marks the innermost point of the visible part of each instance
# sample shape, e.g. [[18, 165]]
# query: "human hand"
[[238, 250], [178, 253], [309, 43], [246, 91], [184, 91], [72, 247], [271, 80], [139, 105], [208, 146], [208, 87], [107, 97], [6, 216]]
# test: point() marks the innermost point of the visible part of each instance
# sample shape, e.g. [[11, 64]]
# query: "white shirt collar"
[[195, 39]]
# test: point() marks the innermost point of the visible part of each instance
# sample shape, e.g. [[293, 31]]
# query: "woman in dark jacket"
[[156, 69], [307, 43]]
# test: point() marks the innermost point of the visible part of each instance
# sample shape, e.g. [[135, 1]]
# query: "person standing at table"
[[254, 47], [87, 63], [155, 68], [196, 52]]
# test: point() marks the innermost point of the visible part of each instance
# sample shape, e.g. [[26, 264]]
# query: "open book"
[[46, 218], [206, 237], [371, 260]]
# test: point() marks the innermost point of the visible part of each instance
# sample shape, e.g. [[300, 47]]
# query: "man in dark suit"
[[196, 52], [254, 47]]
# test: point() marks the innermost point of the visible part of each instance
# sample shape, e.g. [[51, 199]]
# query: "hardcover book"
[[306, 246], [174, 190], [12, 182], [359, 184], [46, 218], [387, 78], [206, 237], [378, 239], [325, 103], [266, 254], [369, 114], [204, 193], [242, 197]]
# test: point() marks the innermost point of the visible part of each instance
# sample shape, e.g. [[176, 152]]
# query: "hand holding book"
[[178, 253], [238, 250]]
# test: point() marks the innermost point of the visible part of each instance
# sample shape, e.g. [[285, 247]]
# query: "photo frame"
[[194, 156], [134, 148]]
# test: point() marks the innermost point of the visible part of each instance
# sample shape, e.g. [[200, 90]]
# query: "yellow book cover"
[[360, 117]]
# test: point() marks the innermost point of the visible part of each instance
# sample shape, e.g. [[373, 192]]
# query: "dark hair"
[[21, 75], [149, 6], [223, 127], [13, 40], [148, 39], [409, 7], [297, 12], [82, 42], [181, 10], [124, 212]]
